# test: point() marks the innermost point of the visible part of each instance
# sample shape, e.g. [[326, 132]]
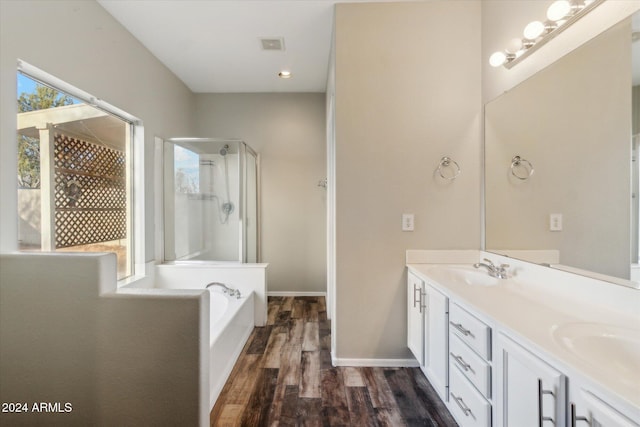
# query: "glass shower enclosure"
[[210, 200]]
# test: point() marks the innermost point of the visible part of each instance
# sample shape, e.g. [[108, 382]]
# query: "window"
[[74, 175]]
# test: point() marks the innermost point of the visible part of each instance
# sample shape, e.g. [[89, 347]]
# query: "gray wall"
[[81, 44], [403, 100], [288, 131]]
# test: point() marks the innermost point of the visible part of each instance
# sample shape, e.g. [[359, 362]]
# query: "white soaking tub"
[[231, 322]]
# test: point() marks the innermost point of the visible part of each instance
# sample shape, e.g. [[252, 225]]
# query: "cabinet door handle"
[[421, 300], [463, 331], [575, 418], [464, 365], [541, 393], [462, 405]]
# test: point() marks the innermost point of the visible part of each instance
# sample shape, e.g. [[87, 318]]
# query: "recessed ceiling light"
[[284, 74]]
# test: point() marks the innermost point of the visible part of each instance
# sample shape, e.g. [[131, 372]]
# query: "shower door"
[[251, 243], [210, 205]]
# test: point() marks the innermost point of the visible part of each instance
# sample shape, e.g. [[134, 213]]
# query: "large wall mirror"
[[561, 161]]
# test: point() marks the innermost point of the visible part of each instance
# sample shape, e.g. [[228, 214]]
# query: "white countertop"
[[532, 313]]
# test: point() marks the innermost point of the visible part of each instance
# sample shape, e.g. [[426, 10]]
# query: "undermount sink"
[[462, 274], [612, 349]]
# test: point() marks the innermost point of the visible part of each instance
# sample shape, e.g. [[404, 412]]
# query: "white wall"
[[288, 131], [404, 99], [80, 43]]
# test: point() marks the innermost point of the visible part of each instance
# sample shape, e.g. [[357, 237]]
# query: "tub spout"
[[227, 290]]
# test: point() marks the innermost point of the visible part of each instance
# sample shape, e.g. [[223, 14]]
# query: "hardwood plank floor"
[[284, 377]]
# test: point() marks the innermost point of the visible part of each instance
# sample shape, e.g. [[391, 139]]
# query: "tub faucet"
[[227, 290], [499, 272]]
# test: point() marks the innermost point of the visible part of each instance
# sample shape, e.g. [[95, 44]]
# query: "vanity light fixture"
[[500, 58], [284, 74], [533, 30], [559, 10], [560, 15]]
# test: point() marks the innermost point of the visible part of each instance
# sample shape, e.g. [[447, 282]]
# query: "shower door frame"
[[243, 206]]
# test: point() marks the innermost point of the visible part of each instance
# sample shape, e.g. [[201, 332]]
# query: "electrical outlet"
[[407, 222], [555, 222]]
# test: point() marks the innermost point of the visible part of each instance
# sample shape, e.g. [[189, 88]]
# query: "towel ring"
[[519, 163], [446, 162]]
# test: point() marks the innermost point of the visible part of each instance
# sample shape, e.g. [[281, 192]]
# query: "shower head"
[[224, 150]]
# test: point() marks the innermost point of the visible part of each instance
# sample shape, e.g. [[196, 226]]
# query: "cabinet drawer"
[[475, 333], [472, 366], [468, 406]]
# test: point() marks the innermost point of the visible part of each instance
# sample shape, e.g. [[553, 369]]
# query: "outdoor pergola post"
[[47, 189]]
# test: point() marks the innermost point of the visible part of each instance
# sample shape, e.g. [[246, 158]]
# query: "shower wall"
[[220, 228]]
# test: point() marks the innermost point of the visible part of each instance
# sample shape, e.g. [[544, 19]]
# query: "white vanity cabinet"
[[427, 331], [529, 391], [436, 360], [492, 356], [470, 368], [467, 405], [415, 316], [588, 410]]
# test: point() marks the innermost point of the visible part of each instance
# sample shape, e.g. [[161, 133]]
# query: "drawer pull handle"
[[575, 418], [542, 392], [465, 409], [463, 364], [463, 331]]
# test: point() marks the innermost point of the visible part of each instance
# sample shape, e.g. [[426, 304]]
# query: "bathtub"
[[230, 324], [229, 320]]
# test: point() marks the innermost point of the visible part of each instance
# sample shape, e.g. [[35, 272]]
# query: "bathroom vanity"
[[539, 348]]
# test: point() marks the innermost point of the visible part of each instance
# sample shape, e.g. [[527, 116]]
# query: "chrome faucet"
[[227, 290], [499, 272]]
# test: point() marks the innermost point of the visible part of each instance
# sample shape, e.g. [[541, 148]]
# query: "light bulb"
[[514, 46], [284, 74], [533, 30], [558, 10], [497, 59]]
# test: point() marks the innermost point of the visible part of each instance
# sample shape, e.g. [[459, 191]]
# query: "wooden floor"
[[284, 377]]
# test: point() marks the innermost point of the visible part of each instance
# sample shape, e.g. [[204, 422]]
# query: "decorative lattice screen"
[[90, 192]]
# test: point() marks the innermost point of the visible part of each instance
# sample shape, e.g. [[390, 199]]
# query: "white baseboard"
[[375, 363], [296, 294]]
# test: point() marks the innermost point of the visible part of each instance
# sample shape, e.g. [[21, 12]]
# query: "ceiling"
[[214, 45]]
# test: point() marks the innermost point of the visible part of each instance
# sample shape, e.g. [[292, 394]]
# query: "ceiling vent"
[[272, 43]]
